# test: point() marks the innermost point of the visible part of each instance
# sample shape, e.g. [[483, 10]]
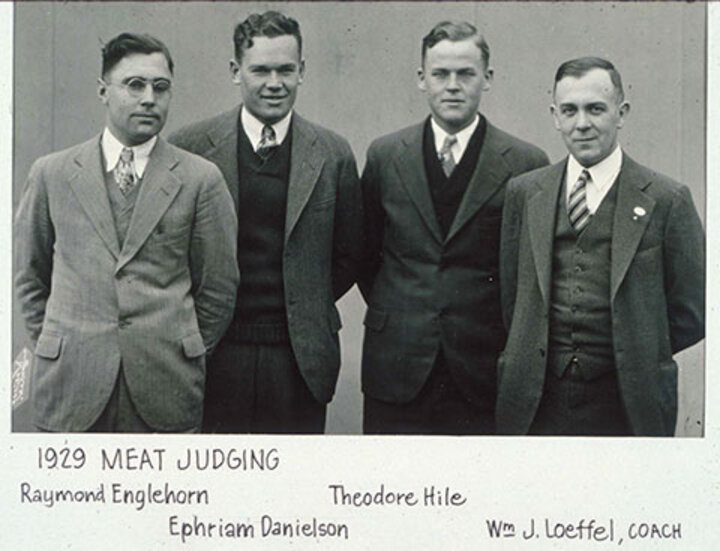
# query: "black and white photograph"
[[360, 275]]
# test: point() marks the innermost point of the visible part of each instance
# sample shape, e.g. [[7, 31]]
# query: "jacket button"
[[124, 323]]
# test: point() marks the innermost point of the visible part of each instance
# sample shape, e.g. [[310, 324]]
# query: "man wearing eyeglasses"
[[125, 271]]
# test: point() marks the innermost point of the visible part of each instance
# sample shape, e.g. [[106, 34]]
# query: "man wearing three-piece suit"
[[295, 187], [602, 276], [125, 272], [433, 196]]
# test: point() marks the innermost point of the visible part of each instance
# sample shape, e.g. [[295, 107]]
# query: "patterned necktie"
[[578, 211], [124, 172], [268, 142], [446, 157]]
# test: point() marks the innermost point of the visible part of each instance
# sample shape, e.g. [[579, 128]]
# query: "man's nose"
[[274, 80], [583, 121], [148, 95], [452, 82]]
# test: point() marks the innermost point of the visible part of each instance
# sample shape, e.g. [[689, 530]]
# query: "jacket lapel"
[[88, 185], [490, 174], [410, 168], [222, 150], [542, 211], [632, 215], [158, 189], [306, 162]]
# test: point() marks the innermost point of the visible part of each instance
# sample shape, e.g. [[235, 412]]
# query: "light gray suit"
[[157, 304]]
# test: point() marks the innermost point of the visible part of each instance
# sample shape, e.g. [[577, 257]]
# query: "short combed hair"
[[453, 31], [130, 43], [583, 65], [269, 24]]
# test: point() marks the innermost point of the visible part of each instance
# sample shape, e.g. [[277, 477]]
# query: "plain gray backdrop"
[[360, 81]]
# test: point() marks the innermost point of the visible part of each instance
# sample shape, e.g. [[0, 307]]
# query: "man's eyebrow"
[[267, 66]]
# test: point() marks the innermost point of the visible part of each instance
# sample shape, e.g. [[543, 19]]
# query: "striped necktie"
[[578, 211], [446, 157]]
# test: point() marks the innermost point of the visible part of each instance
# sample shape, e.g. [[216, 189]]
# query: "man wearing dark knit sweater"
[[433, 194], [602, 277], [297, 197]]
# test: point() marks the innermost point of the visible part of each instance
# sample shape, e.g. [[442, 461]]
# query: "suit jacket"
[[657, 292], [157, 304], [423, 290], [323, 233]]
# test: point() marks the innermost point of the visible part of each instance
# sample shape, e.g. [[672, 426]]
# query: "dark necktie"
[[268, 142], [446, 157], [124, 171], [578, 211]]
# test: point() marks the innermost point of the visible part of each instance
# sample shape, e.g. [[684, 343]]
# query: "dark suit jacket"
[[423, 290], [156, 304], [323, 233], [657, 292]]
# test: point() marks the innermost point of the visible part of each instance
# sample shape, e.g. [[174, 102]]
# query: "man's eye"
[[136, 85], [161, 86]]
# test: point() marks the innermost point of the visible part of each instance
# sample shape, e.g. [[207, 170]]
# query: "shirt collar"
[[463, 137], [253, 127], [602, 174], [111, 148]]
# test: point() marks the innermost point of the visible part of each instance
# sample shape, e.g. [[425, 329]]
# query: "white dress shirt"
[[253, 127], [463, 138], [603, 176], [111, 148]]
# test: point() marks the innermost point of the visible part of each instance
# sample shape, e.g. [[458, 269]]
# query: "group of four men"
[[504, 295]]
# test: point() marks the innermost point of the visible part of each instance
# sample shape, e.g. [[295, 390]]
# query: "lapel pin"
[[638, 211]]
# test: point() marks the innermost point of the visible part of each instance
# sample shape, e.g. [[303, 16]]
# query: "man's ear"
[[554, 112], [235, 71], [301, 71], [624, 110], [421, 80], [102, 91], [489, 75]]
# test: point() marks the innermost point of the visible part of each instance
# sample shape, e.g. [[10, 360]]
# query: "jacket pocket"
[[322, 204], [375, 319], [48, 347], [193, 346]]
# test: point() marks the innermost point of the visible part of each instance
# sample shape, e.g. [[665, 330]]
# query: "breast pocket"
[[171, 228], [321, 205]]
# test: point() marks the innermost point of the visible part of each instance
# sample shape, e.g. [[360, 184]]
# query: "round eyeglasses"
[[136, 86]]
